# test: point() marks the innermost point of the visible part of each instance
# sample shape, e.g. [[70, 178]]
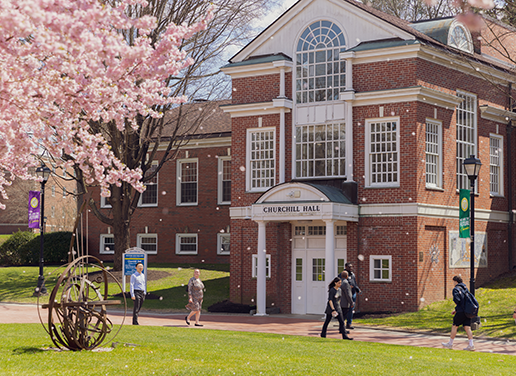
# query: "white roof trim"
[[499, 115], [256, 109], [297, 8], [412, 94], [262, 69], [428, 210]]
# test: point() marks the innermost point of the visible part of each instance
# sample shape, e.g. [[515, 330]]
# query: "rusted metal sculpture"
[[77, 307]]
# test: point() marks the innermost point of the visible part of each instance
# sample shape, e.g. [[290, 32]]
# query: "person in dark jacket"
[[459, 317], [333, 308], [346, 300], [354, 291]]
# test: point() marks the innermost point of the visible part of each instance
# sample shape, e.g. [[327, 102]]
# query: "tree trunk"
[[122, 242]]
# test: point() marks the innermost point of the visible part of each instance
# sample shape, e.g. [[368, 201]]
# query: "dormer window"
[[460, 37]]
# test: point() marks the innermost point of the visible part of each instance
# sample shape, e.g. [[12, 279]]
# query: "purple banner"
[[34, 204]]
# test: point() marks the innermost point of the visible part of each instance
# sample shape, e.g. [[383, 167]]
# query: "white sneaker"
[[447, 345], [470, 348]]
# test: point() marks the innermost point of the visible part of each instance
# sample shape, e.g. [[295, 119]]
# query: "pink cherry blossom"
[[65, 64]]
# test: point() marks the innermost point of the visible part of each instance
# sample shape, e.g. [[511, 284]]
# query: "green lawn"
[[3, 238], [189, 351], [18, 284], [497, 302]]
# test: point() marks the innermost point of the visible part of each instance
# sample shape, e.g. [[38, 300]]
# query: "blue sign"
[[130, 261]]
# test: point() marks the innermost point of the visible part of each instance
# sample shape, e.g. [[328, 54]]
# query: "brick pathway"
[[307, 325]]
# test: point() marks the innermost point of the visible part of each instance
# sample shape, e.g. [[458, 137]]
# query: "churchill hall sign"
[[291, 209]]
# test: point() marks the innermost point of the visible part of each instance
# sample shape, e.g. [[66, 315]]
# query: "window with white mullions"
[[149, 197], [187, 182], [496, 165], [380, 268], [186, 244], [148, 242], [224, 180], [320, 74], [321, 150], [433, 154], [383, 153], [261, 159], [466, 124]]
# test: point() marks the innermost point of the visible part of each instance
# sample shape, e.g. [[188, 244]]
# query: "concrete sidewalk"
[[302, 325]]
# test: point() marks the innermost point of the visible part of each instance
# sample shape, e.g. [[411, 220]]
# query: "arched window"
[[460, 37], [320, 76]]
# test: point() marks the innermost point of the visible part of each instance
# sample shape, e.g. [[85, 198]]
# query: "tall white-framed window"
[[64, 192], [186, 244], [466, 135], [223, 243], [382, 150], [267, 266], [187, 181], [320, 150], [53, 211], [224, 181], [107, 244], [150, 196], [496, 165], [380, 268], [53, 191], [147, 242], [434, 149], [261, 159], [320, 74]]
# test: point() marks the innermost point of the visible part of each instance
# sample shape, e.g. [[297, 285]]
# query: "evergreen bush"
[[10, 249], [55, 248]]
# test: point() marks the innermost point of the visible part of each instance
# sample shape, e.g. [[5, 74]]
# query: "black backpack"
[[470, 304]]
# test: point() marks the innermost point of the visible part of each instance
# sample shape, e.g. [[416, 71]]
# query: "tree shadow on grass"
[[27, 350]]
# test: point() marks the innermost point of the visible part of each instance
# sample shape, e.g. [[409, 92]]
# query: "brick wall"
[[206, 219]]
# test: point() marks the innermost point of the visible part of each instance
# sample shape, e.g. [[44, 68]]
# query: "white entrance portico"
[[318, 214]]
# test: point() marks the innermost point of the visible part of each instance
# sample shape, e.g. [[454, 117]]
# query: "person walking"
[[354, 291], [346, 299], [195, 297], [333, 308], [138, 291], [459, 317]]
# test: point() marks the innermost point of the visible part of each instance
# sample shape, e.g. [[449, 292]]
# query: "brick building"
[[183, 216], [349, 131]]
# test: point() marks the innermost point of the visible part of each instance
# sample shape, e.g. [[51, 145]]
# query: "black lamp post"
[[43, 172], [472, 166]]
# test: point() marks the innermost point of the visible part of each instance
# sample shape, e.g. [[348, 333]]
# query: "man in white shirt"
[[138, 291]]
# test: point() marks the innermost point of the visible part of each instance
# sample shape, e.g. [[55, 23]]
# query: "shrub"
[[10, 249], [55, 248]]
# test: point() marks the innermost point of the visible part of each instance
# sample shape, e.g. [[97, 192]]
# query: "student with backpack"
[[460, 318]]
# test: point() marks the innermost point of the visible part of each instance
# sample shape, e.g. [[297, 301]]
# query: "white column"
[[349, 140], [282, 83], [261, 277], [349, 56], [330, 251], [282, 146]]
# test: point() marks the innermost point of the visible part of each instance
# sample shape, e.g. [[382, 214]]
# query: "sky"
[[276, 12]]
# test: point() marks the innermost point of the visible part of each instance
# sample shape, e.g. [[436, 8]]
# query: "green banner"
[[464, 213]]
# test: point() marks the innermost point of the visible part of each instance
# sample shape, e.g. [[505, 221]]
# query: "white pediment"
[[357, 25], [293, 192]]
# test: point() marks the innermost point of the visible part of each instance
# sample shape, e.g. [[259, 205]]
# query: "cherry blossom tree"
[[65, 66]]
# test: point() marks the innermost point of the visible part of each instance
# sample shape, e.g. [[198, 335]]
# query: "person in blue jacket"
[[459, 317]]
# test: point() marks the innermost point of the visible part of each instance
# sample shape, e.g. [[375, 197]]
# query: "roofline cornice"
[[273, 67], [258, 109], [410, 94]]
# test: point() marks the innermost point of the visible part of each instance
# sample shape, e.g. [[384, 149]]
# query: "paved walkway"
[[303, 325]]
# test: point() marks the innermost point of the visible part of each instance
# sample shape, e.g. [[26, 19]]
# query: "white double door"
[[309, 285]]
